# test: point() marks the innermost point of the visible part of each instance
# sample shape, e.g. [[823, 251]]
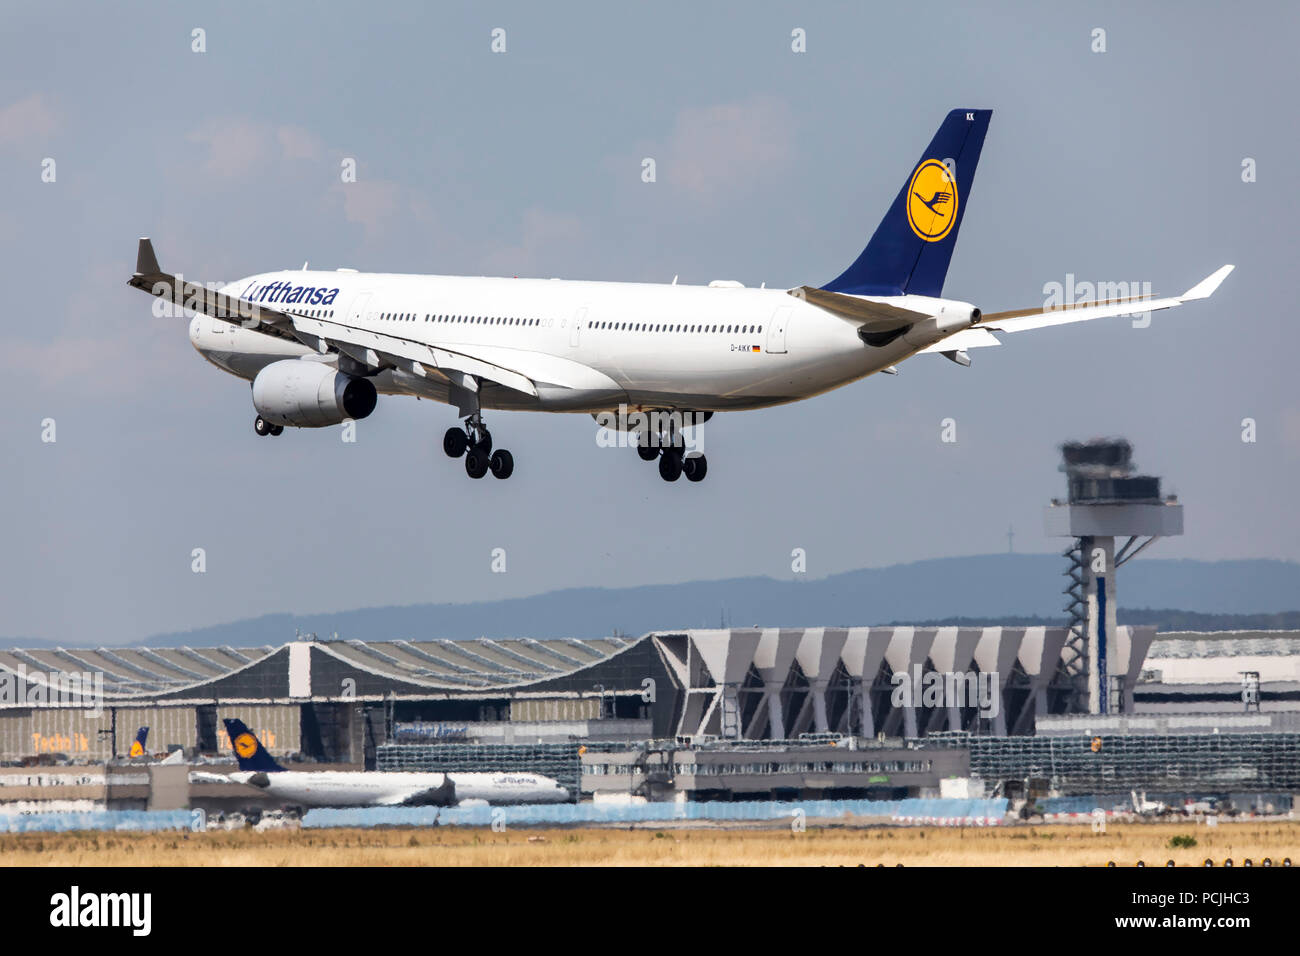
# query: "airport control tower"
[[1106, 501]]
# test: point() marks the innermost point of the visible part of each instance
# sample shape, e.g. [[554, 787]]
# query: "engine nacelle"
[[311, 394]]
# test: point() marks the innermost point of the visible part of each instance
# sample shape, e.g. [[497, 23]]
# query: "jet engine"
[[311, 394]]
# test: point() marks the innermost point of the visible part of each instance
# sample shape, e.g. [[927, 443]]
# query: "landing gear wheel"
[[695, 468], [277, 430], [262, 426], [503, 464], [647, 451], [455, 442], [670, 465], [476, 463]]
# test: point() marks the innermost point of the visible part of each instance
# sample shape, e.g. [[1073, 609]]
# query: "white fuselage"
[[335, 788], [588, 346]]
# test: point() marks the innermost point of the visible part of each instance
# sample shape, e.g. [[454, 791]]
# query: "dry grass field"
[[1060, 845]]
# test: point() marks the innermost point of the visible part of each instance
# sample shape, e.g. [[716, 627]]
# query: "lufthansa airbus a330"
[[319, 347]]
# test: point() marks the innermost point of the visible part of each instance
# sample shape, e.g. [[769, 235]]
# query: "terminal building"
[[339, 701], [712, 714]]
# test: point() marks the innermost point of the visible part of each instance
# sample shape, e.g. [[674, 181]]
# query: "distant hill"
[[1166, 619], [999, 588]]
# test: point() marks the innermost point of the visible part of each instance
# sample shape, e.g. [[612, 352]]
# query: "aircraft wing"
[[1023, 319], [196, 297], [443, 795], [202, 776], [981, 335], [373, 350]]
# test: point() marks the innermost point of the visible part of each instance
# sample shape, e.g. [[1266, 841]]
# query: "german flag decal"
[[755, 348]]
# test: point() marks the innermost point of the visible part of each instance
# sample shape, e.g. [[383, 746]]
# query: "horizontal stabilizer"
[[872, 316], [963, 340]]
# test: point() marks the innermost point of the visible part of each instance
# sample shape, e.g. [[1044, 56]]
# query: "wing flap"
[[378, 350], [540, 367]]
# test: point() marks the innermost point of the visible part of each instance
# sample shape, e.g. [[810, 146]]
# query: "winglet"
[[1205, 288], [146, 263]]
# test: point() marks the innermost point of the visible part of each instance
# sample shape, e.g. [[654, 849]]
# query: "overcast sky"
[[772, 166]]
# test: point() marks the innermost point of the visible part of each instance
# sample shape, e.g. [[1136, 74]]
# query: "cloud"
[[237, 147], [30, 119], [721, 152], [541, 233], [297, 143], [369, 203], [91, 365]]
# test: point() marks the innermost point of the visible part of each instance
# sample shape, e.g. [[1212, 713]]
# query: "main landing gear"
[[264, 428], [673, 460], [474, 441]]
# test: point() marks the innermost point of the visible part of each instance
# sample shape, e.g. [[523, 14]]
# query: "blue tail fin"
[[912, 246], [137, 745], [248, 749]]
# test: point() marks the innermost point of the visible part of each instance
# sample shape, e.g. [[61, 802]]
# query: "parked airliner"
[[137, 752], [351, 788], [319, 347]]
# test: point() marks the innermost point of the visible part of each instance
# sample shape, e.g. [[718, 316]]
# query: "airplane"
[[349, 788], [137, 750], [1147, 808], [137, 745], [645, 359]]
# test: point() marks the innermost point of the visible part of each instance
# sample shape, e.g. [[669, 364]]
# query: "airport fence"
[[568, 814], [100, 820], [952, 811]]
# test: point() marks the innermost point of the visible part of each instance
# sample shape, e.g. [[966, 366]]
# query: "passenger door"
[[358, 312], [579, 318], [776, 327]]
